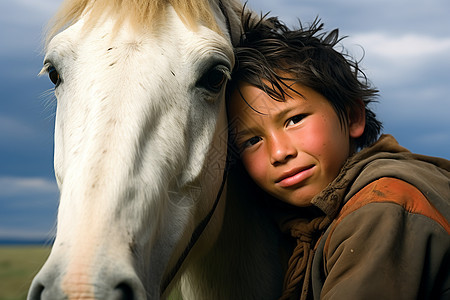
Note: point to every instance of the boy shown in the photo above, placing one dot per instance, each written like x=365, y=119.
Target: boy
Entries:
x=368, y=218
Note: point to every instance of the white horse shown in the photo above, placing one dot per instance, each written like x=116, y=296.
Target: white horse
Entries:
x=140, y=154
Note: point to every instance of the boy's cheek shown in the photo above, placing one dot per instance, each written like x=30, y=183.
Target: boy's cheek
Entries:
x=312, y=140
x=254, y=164
x=322, y=135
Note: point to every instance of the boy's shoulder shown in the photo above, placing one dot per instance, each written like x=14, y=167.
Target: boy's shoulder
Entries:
x=394, y=187
x=386, y=231
x=391, y=190
x=408, y=177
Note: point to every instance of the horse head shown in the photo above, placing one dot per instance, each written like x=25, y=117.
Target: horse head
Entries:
x=140, y=141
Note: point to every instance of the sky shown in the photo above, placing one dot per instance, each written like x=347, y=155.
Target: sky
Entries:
x=404, y=46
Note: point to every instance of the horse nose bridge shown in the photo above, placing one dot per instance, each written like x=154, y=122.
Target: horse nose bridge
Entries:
x=118, y=140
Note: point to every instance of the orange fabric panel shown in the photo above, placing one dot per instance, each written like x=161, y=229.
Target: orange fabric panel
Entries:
x=385, y=190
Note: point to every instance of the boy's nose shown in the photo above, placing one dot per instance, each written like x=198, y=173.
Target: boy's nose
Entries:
x=281, y=150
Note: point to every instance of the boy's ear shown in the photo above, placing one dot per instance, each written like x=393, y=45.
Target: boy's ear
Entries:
x=357, y=120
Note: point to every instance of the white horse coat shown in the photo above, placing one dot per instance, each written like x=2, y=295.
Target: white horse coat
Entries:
x=140, y=151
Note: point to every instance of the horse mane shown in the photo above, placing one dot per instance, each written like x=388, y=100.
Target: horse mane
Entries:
x=138, y=12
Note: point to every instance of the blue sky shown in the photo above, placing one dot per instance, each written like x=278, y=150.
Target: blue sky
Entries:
x=406, y=55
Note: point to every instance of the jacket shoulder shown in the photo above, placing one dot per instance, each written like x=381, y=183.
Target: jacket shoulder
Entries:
x=393, y=190
x=379, y=243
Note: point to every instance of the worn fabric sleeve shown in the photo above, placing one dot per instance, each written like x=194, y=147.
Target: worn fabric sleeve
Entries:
x=388, y=242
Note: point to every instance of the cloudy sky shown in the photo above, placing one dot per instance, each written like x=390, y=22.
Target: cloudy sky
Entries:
x=406, y=50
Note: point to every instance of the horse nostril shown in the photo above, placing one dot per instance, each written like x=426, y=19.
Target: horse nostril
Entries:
x=36, y=292
x=123, y=291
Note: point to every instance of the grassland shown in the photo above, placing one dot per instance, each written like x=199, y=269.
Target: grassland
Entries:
x=18, y=265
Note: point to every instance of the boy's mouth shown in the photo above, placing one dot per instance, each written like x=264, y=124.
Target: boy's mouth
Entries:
x=295, y=176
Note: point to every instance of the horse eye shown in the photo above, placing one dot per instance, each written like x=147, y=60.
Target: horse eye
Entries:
x=54, y=76
x=215, y=78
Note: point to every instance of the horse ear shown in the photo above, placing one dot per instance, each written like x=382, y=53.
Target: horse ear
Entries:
x=357, y=120
x=235, y=13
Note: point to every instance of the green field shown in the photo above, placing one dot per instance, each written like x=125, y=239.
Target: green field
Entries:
x=18, y=265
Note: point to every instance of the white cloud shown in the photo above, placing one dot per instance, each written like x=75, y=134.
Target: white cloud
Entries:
x=26, y=234
x=28, y=13
x=23, y=23
x=402, y=48
x=439, y=138
x=28, y=205
x=42, y=6
x=24, y=186
x=11, y=128
x=407, y=61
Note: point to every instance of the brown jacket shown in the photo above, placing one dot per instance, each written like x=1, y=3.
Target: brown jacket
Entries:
x=391, y=238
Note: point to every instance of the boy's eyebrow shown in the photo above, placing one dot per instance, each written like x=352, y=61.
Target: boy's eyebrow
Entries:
x=244, y=132
x=279, y=115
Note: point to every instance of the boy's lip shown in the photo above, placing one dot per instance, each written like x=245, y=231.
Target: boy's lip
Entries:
x=294, y=176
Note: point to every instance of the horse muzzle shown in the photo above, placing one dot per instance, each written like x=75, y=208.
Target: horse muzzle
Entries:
x=79, y=281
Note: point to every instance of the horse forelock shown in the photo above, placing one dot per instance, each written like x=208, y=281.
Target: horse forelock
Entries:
x=140, y=13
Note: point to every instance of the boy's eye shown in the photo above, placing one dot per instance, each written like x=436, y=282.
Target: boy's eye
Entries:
x=250, y=142
x=294, y=120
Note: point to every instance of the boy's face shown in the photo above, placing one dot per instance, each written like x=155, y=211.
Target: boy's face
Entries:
x=291, y=149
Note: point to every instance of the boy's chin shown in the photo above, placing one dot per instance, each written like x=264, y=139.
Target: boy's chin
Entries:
x=301, y=197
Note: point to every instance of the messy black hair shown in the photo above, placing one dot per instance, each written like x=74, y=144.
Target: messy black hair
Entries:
x=270, y=54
